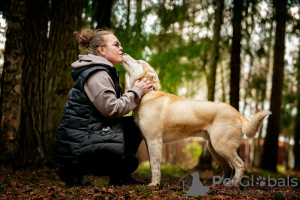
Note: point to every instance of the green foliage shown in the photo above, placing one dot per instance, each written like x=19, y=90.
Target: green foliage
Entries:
x=193, y=149
x=177, y=60
x=167, y=170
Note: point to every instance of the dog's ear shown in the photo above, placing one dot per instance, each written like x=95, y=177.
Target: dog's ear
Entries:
x=153, y=76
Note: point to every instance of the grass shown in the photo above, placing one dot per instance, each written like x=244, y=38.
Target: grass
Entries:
x=167, y=170
x=282, y=173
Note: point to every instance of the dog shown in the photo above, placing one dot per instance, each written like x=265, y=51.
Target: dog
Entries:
x=164, y=118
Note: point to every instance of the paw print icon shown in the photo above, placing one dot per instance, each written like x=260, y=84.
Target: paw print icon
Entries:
x=261, y=181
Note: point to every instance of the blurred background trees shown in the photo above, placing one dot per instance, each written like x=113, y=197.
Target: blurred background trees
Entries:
x=22, y=84
x=241, y=52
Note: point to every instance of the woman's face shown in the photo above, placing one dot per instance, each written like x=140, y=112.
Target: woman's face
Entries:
x=112, y=51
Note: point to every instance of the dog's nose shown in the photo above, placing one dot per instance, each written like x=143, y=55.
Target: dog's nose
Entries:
x=124, y=53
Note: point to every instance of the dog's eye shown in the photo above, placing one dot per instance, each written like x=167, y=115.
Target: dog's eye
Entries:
x=139, y=62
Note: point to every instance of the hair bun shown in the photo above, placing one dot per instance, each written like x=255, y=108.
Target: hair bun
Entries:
x=89, y=40
x=84, y=37
x=84, y=40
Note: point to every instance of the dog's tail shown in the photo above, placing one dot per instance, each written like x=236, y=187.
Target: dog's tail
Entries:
x=252, y=127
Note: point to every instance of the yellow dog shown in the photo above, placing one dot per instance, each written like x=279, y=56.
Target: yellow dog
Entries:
x=164, y=118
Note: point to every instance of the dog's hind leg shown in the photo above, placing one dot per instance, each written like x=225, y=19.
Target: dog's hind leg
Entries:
x=226, y=166
x=155, y=156
x=229, y=153
x=226, y=140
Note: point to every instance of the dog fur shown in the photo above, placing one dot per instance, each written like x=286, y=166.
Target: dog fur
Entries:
x=164, y=118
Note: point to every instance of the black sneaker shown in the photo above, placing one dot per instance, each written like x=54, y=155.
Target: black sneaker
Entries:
x=69, y=175
x=129, y=180
x=113, y=180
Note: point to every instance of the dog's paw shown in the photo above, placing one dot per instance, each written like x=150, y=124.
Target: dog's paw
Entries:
x=153, y=184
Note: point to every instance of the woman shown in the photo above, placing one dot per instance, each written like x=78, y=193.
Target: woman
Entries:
x=93, y=137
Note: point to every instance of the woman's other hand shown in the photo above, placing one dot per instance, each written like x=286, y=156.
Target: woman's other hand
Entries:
x=145, y=84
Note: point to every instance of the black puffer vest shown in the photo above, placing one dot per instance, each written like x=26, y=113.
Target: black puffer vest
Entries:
x=84, y=134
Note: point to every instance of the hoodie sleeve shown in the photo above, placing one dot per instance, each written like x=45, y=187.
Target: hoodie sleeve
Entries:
x=101, y=92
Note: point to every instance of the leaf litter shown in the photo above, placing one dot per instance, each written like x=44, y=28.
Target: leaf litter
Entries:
x=45, y=184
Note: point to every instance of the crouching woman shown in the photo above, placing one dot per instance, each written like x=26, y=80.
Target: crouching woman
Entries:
x=93, y=136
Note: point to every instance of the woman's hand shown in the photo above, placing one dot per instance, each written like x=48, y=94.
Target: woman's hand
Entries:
x=145, y=84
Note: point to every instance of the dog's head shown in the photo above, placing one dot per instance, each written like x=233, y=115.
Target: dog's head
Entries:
x=139, y=69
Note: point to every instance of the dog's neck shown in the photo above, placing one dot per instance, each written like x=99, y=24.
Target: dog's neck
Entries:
x=156, y=85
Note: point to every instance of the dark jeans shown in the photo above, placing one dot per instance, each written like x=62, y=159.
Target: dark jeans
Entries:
x=111, y=166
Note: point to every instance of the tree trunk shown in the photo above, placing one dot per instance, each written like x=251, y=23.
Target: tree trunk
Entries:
x=287, y=152
x=62, y=51
x=139, y=19
x=297, y=123
x=211, y=78
x=257, y=147
x=138, y=29
x=223, y=73
x=266, y=70
x=205, y=159
x=270, y=148
x=103, y=13
x=22, y=83
x=235, y=54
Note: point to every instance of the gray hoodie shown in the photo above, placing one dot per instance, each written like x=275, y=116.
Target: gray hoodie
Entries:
x=101, y=91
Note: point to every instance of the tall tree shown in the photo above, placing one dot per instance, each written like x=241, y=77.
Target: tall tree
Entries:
x=205, y=158
x=270, y=147
x=138, y=29
x=214, y=55
x=297, y=122
x=22, y=83
x=62, y=51
x=235, y=54
x=103, y=13
x=139, y=18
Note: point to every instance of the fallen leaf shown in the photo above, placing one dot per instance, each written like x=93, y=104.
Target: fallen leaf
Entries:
x=28, y=190
x=110, y=190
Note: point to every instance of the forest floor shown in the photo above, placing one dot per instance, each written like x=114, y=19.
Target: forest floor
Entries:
x=43, y=183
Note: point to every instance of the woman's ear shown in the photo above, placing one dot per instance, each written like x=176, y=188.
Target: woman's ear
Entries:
x=101, y=51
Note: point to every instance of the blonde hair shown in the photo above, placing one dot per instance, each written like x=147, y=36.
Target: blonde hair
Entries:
x=90, y=40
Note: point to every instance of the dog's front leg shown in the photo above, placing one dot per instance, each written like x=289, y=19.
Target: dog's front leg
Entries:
x=155, y=156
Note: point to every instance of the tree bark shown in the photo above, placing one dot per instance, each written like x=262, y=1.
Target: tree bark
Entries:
x=62, y=51
x=235, y=54
x=270, y=147
x=22, y=83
